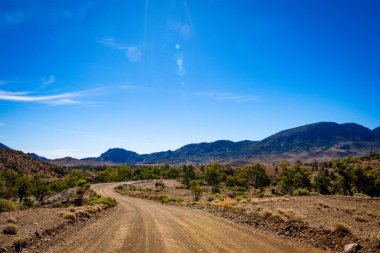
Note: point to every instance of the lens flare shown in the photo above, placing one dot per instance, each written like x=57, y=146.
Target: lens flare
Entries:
x=134, y=54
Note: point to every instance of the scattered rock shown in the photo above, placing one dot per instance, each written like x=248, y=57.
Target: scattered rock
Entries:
x=352, y=248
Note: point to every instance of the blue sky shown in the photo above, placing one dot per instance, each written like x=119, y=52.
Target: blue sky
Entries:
x=79, y=77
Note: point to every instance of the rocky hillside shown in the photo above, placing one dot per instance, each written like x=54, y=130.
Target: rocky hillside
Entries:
x=319, y=141
x=19, y=161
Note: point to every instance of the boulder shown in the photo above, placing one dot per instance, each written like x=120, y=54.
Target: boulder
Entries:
x=352, y=248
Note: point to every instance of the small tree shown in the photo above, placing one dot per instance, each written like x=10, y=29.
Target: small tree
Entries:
x=40, y=188
x=23, y=187
x=83, y=187
x=293, y=177
x=213, y=177
x=188, y=175
x=159, y=185
x=196, y=190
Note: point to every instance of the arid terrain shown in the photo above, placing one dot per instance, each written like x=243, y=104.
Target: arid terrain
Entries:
x=139, y=225
x=311, y=219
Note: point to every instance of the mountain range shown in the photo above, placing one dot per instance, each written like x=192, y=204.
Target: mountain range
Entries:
x=314, y=142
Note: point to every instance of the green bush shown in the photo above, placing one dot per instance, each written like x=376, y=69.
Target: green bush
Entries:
x=301, y=192
x=361, y=195
x=10, y=230
x=109, y=202
x=6, y=205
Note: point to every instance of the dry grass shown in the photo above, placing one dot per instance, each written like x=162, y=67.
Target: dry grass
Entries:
x=227, y=202
x=342, y=229
x=10, y=230
x=360, y=218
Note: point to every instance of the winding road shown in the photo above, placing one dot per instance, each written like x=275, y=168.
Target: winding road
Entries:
x=139, y=225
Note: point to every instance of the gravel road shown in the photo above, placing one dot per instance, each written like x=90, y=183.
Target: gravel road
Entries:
x=139, y=225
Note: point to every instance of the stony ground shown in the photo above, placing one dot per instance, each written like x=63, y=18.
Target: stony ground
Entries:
x=140, y=225
x=312, y=219
x=39, y=228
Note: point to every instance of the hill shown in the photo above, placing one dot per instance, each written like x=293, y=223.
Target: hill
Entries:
x=3, y=146
x=320, y=141
x=73, y=162
x=21, y=162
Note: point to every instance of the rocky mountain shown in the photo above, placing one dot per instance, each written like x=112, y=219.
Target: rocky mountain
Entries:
x=21, y=162
x=319, y=141
x=2, y=146
x=40, y=158
x=118, y=155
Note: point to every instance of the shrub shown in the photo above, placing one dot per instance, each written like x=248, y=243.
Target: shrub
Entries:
x=58, y=205
x=6, y=205
x=159, y=185
x=361, y=195
x=301, y=192
x=70, y=216
x=10, y=230
x=360, y=218
x=342, y=229
x=179, y=200
x=226, y=202
x=209, y=199
x=376, y=238
x=20, y=243
x=315, y=194
x=107, y=201
x=239, y=198
x=196, y=190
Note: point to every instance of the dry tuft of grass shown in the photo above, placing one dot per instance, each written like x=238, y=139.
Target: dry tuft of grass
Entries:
x=376, y=238
x=322, y=204
x=227, y=202
x=10, y=230
x=360, y=218
x=342, y=229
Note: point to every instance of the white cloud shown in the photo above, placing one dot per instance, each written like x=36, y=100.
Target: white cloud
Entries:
x=56, y=99
x=48, y=80
x=225, y=96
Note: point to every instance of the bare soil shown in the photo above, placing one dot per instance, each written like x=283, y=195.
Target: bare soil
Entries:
x=140, y=225
x=39, y=228
x=310, y=219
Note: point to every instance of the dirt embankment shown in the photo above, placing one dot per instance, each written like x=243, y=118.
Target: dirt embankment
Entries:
x=38, y=229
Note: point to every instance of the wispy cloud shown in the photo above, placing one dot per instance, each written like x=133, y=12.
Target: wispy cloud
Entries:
x=55, y=99
x=132, y=52
x=3, y=82
x=48, y=80
x=226, y=96
x=112, y=43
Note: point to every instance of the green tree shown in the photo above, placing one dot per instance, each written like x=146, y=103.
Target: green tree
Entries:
x=293, y=177
x=256, y=176
x=23, y=187
x=214, y=177
x=188, y=174
x=40, y=187
x=196, y=190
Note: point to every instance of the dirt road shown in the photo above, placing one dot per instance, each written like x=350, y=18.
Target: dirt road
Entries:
x=139, y=225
